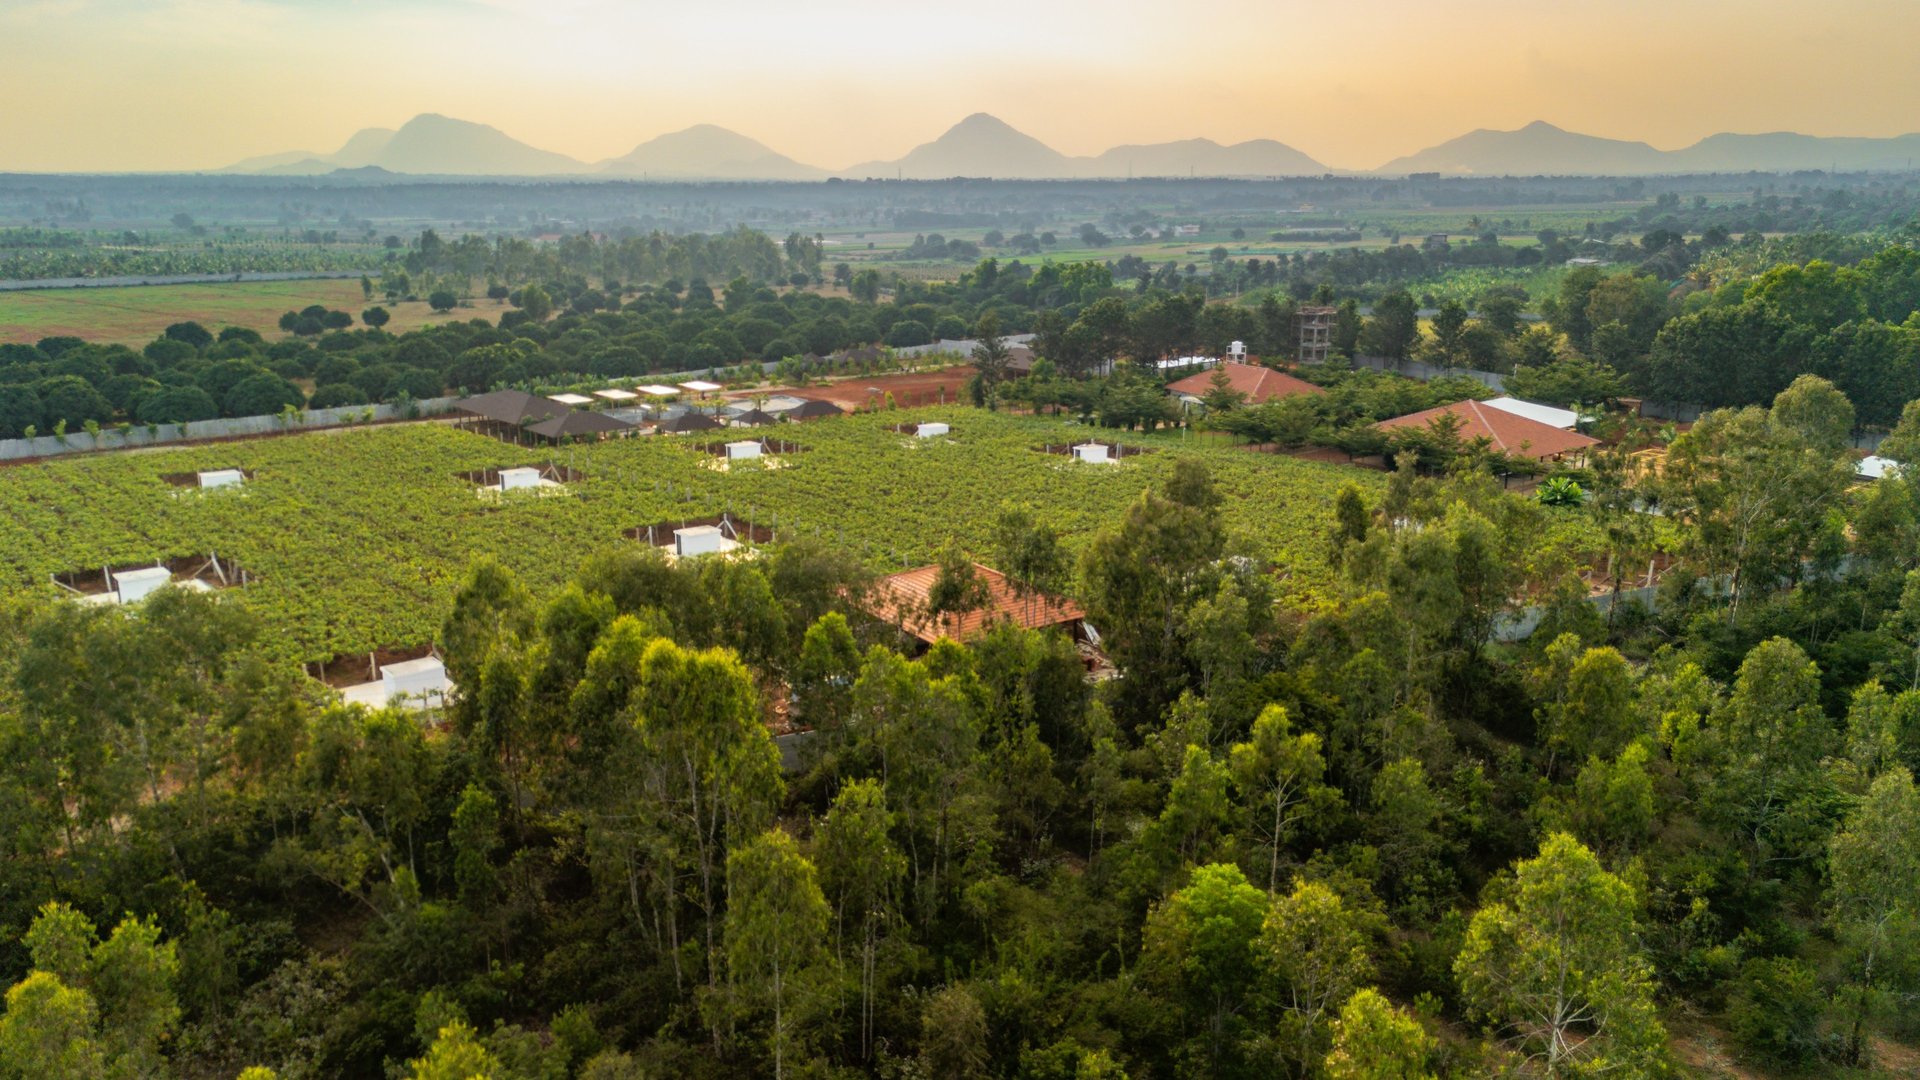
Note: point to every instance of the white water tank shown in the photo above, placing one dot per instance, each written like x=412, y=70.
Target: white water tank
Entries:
x=1237, y=351
x=136, y=585
x=744, y=449
x=514, y=479
x=928, y=431
x=698, y=540
x=219, y=478
x=1093, y=451
x=424, y=677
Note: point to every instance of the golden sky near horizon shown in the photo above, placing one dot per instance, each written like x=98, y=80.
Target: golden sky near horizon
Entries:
x=195, y=84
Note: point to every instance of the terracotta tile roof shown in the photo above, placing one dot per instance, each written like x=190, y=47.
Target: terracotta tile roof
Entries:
x=1510, y=434
x=901, y=599
x=1260, y=384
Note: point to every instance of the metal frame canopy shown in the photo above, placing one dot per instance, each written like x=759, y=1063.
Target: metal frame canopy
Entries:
x=616, y=395
x=656, y=390
x=572, y=399
x=701, y=386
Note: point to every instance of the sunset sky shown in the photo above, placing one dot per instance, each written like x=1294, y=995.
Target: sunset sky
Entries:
x=191, y=84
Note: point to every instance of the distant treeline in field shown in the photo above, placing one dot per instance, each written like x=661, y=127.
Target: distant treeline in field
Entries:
x=1734, y=326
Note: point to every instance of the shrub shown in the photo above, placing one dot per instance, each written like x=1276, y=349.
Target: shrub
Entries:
x=262, y=395
x=909, y=332
x=176, y=405
x=337, y=395
x=1775, y=1012
x=20, y=409
x=68, y=398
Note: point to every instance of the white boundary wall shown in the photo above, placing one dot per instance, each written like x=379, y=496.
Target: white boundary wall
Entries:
x=111, y=438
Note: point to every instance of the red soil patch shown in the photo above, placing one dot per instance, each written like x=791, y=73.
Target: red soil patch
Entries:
x=909, y=391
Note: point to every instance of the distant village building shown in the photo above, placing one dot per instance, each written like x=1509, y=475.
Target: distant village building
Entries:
x=1186, y=230
x=1316, y=333
x=1507, y=432
x=1258, y=384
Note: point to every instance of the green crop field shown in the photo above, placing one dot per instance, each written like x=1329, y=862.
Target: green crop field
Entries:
x=359, y=538
x=136, y=314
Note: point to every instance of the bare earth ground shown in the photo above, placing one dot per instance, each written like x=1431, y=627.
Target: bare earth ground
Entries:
x=136, y=314
x=919, y=388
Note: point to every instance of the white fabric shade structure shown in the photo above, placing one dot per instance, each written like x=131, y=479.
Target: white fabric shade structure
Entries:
x=701, y=386
x=1564, y=419
x=572, y=399
x=616, y=395
x=1873, y=466
x=656, y=390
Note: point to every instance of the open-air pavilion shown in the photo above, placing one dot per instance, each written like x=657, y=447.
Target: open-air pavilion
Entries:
x=576, y=426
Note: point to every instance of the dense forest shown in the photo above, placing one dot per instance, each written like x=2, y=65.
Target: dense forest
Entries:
x=1371, y=837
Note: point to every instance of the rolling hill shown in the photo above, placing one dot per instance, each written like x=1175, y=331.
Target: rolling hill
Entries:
x=1786, y=151
x=427, y=144
x=1204, y=157
x=983, y=145
x=440, y=145
x=980, y=145
x=1539, y=149
x=706, y=152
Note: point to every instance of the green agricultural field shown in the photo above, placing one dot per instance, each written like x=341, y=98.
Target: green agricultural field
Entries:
x=136, y=314
x=360, y=537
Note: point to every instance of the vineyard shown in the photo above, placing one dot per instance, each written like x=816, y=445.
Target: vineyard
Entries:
x=358, y=539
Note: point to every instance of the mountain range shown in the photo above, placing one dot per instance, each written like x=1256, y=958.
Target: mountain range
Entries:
x=1541, y=149
x=984, y=146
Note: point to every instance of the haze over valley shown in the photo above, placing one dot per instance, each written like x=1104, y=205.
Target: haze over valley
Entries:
x=985, y=146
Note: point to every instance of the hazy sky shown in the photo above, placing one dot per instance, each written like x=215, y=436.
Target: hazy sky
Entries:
x=187, y=84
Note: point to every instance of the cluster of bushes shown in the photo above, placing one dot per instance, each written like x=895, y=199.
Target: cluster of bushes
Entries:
x=186, y=374
x=313, y=320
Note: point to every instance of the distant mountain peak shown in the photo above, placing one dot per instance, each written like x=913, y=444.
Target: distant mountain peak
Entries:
x=708, y=152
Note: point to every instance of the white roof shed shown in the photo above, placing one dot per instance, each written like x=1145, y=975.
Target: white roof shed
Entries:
x=422, y=678
x=219, y=478
x=1564, y=419
x=515, y=479
x=699, y=540
x=136, y=585
x=1873, y=467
